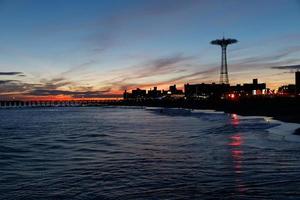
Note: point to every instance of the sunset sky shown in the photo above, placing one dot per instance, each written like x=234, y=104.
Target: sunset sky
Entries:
x=99, y=48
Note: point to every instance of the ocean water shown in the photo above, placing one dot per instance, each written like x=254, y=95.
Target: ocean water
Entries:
x=138, y=153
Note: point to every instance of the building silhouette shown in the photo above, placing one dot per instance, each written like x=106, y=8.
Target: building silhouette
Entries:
x=222, y=90
x=204, y=90
x=297, y=82
x=135, y=94
x=287, y=89
x=174, y=90
x=253, y=88
x=213, y=90
x=126, y=95
x=155, y=93
x=291, y=89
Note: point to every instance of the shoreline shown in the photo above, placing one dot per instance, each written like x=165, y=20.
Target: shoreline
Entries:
x=294, y=131
x=292, y=118
x=293, y=128
x=282, y=109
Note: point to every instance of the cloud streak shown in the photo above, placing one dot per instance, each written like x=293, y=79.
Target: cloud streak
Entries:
x=287, y=67
x=6, y=81
x=105, y=31
x=271, y=58
x=11, y=73
x=160, y=66
x=51, y=88
x=74, y=94
x=189, y=78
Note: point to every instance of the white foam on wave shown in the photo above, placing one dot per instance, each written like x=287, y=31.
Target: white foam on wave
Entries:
x=207, y=111
x=280, y=130
x=222, y=112
x=284, y=131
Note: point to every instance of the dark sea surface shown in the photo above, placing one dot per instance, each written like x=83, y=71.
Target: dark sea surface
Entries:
x=134, y=153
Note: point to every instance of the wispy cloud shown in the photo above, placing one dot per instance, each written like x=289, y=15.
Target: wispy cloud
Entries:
x=51, y=88
x=74, y=94
x=11, y=73
x=8, y=87
x=78, y=68
x=6, y=81
x=181, y=79
x=105, y=32
x=159, y=66
x=281, y=57
x=54, y=83
x=287, y=67
x=263, y=42
x=282, y=53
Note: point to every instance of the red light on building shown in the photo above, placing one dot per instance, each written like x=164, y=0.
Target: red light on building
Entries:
x=231, y=96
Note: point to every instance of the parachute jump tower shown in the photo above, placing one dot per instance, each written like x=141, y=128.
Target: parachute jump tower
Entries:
x=224, y=71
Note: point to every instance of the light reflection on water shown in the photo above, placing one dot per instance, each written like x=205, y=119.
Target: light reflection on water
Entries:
x=121, y=153
x=236, y=142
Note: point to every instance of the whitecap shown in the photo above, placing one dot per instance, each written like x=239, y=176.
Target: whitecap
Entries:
x=284, y=131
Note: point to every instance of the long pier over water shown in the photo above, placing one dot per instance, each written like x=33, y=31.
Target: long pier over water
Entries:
x=65, y=103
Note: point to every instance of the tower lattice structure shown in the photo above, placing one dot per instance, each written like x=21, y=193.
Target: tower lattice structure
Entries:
x=224, y=79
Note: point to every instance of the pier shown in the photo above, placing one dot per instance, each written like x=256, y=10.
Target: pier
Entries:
x=64, y=103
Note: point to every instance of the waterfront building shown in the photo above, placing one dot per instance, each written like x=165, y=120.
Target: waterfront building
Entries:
x=174, y=90
x=287, y=89
x=204, y=90
x=155, y=93
x=135, y=94
x=126, y=95
x=297, y=82
x=253, y=88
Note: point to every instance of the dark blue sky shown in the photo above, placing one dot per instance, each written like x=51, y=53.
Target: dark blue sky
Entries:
x=102, y=47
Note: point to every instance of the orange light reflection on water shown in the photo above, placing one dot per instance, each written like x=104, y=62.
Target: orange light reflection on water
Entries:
x=235, y=121
x=236, y=145
x=236, y=141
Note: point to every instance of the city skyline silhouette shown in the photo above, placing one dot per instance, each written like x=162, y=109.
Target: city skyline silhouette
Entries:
x=97, y=49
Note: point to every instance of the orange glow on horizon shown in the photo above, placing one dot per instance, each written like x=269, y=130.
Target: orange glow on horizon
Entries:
x=60, y=98
x=117, y=92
